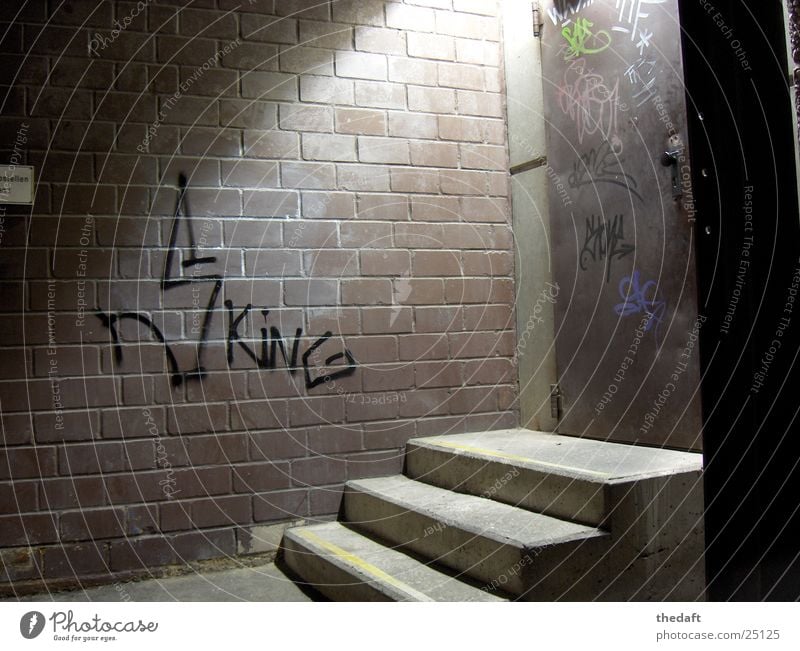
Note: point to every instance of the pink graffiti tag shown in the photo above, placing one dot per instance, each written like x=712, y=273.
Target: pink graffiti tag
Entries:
x=589, y=101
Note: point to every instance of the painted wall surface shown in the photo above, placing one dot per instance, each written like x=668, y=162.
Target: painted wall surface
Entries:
x=270, y=243
x=536, y=292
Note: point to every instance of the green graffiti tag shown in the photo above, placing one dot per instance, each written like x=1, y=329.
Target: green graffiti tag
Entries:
x=580, y=37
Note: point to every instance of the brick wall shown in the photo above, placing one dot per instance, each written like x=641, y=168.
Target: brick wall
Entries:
x=270, y=243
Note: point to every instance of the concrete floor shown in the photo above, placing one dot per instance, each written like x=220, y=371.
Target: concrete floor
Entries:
x=260, y=583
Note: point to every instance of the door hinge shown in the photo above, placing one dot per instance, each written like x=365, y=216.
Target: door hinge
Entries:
x=537, y=20
x=555, y=401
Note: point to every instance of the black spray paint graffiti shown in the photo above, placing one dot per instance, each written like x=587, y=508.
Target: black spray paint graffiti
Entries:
x=602, y=165
x=271, y=338
x=602, y=242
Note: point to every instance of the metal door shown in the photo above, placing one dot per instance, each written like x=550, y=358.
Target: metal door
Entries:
x=622, y=221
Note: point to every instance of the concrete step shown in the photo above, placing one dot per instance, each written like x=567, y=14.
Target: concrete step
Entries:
x=500, y=546
x=561, y=476
x=347, y=566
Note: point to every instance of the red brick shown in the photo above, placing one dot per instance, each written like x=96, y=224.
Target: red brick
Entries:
x=18, y=497
x=378, y=94
x=388, y=377
x=429, y=46
x=370, y=235
x=412, y=71
x=199, y=141
x=477, y=103
x=372, y=406
x=359, y=12
x=387, y=320
x=306, y=117
x=75, y=492
x=74, y=561
x=328, y=205
x=267, y=29
x=340, y=320
x=374, y=464
x=335, y=36
x=308, y=176
x=32, y=529
x=479, y=290
x=280, y=505
x=22, y=463
x=188, y=419
x=437, y=263
x=385, y=263
x=270, y=203
x=327, y=90
x=360, y=65
x=334, y=440
x=257, y=477
x=67, y=426
x=318, y=471
x=222, y=511
x=481, y=344
x=315, y=411
x=202, y=545
x=363, y=178
x=92, y=524
x=78, y=73
x=407, y=17
x=489, y=371
x=423, y=346
x=467, y=26
x=248, y=114
x=141, y=553
x=488, y=317
x=391, y=434
x=483, y=209
x=366, y=292
x=424, y=403
x=361, y=121
x=271, y=144
x=196, y=22
x=327, y=147
x=190, y=111
x=252, y=56
x=435, y=208
x=184, y=50
x=325, y=501
x=383, y=150
x=331, y=263
x=414, y=180
x=279, y=444
x=244, y=173
x=438, y=374
x=477, y=236
x=257, y=415
x=380, y=41
x=419, y=236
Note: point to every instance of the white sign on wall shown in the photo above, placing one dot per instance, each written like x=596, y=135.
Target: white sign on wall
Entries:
x=16, y=184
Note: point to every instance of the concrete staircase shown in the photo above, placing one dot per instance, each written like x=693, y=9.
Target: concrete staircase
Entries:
x=514, y=514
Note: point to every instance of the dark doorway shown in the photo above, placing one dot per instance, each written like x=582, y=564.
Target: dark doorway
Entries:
x=743, y=152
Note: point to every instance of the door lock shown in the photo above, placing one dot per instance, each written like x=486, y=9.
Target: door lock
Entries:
x=670, y=159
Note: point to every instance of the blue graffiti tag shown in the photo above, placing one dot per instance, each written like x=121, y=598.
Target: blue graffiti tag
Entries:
x=636, y=301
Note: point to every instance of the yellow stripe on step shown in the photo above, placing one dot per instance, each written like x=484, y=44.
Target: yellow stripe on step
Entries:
x=514, y=457
x=363, y=565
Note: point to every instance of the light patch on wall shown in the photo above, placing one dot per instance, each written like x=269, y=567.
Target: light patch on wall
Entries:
x=16, y=185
